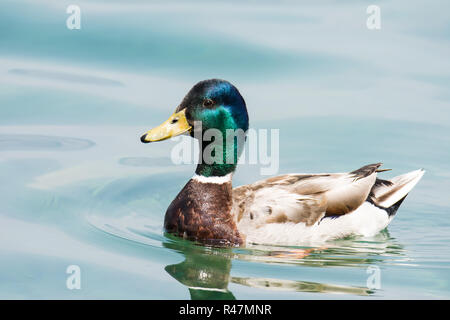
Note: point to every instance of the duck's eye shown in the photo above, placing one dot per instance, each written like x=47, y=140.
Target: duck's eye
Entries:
x=175, y=120
x=208, y=103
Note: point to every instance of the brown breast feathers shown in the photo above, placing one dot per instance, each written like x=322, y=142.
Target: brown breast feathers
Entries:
x=202, y=212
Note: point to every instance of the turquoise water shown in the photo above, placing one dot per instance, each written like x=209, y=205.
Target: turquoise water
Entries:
x=78, y=188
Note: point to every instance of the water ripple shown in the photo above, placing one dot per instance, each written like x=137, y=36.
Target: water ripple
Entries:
x=31, y=142
x=68, y=77
x=145, y=161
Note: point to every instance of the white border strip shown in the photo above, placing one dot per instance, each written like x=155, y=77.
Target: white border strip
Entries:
x=217, y=180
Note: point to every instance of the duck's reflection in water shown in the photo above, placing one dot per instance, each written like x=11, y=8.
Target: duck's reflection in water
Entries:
x=206, y=271
x=300, y=286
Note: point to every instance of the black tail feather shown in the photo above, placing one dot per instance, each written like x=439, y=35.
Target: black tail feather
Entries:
x=392, y=210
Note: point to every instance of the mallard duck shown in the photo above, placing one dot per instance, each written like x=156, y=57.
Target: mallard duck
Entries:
x=287, y=209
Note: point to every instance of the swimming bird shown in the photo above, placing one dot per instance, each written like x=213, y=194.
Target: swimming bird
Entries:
x=288, y=209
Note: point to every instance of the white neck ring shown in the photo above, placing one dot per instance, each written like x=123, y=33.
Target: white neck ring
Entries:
x=217, y=180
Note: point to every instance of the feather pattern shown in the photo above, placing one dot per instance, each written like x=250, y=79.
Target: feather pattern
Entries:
x=303, y=197
x=313, y=207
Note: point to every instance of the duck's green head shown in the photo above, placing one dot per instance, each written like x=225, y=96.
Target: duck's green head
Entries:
x=210, y=104
x=216, y=104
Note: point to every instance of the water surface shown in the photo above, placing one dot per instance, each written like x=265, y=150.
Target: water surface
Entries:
x=78, y=188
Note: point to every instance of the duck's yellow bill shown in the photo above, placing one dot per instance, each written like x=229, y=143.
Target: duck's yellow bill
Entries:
x=177, y=124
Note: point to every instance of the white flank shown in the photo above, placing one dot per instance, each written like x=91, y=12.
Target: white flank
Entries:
x=367, y=220
x=217, y=180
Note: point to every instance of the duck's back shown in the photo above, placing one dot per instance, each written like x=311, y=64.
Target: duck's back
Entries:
x=297, y=207
x=304, y=197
